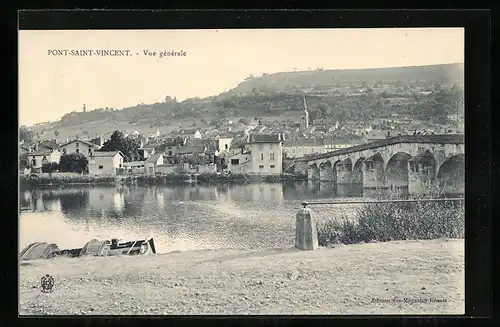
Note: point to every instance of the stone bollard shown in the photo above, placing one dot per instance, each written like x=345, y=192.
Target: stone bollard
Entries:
x=306, y=235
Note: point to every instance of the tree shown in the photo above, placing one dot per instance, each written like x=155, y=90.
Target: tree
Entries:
x=50, y=167
x=73, y=162
x=128, y=147
x=25, y=134
x=23, y=161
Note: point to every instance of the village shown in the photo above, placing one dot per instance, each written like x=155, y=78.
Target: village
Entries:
x=246, y=146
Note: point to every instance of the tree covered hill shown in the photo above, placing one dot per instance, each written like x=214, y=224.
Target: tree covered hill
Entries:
x=428, y=93
x=448, y=73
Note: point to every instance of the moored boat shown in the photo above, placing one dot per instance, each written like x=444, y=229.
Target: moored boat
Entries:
x=41, y=250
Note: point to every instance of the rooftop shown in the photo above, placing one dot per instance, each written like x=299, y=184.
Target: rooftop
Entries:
x=266, y=138
x=109, y=154
x=154, y=158
x=81, y=141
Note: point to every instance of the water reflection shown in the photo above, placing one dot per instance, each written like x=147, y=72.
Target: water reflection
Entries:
x=179, y=217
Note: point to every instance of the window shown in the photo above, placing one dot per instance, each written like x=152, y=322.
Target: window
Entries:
x=235, y=161
x=100, y=167
x=65, y=150
x=77, y=145
x=225, y=145
x=261, y=166
x=272, y=166
x=262, y=156
x=306, y=150
x=271, y=156
x=90, y=151
x=293, y=150
x=77, y=150
x=312, y=150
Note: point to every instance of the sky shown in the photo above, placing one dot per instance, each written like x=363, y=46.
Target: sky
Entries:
x=215, y=61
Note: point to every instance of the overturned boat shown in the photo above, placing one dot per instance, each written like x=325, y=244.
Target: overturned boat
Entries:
x=41, y=250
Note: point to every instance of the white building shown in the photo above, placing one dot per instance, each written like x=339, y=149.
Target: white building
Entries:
x=224, y=143
x=191, y=133
x=299, y=148
x=134, y=167
x=79, y=146
x=39, y=158
x=152, y=162
x=337, y=143
x=239, y=162
x=105, y=163
x=266, y=153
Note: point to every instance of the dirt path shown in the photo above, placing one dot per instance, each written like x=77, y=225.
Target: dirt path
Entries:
x=417, y=277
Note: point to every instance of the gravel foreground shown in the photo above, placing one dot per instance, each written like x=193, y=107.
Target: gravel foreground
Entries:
x=404, y=277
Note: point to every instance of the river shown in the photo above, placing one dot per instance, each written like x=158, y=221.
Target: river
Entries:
x=179, y=218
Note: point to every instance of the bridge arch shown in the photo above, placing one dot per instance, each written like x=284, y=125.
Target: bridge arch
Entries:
x=373, y=172
x=326, y=171
x=342, y=170
x=357, y=172
x=451, y=174
x=313, y=172
x=396, y=170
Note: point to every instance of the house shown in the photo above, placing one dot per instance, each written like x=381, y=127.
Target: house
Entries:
x=79, y=146
x=266, y=153
x=301, y=147
x=152, y=162
x=134, y=167
x=224, y=142
x=239, y=162
x=47, y=145
x=105, y=163
x=191, y=133
x=170, y=144
x=374, y=136
x=335, y=143
x=320, y=131
x=99, y=141
x=39, y=158
x=190, y=150
x=146, y=152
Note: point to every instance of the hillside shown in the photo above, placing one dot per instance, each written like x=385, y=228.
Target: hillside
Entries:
x=427, y=93
x=450, y=73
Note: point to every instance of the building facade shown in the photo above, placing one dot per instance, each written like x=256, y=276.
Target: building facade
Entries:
x=152, y=162
x=105, y=163
x=266, y=153
x=79, y=146
x=240, y=162
x=39, y=158
x=299, y=148
x=224, y=143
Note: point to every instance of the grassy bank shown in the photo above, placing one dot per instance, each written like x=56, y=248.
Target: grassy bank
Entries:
x=397, y=221
x=406, y=277
x=164, y=179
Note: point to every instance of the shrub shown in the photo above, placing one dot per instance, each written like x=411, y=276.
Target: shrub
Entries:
x=397, y=221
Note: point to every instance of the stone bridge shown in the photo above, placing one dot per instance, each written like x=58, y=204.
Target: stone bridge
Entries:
x=411, y=162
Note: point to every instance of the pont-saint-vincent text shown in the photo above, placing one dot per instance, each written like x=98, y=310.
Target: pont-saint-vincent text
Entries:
x=89, y=52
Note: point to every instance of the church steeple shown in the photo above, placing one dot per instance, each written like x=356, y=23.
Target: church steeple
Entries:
x=84, y=109
x=306, y=113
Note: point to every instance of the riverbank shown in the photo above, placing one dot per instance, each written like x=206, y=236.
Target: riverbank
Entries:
x=41, y=181
x=403, y=277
